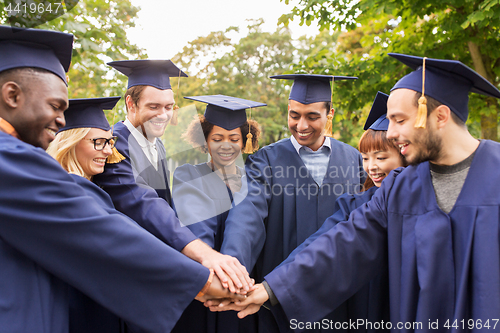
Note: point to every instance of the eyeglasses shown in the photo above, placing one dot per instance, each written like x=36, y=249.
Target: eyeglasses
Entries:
x=100, y=143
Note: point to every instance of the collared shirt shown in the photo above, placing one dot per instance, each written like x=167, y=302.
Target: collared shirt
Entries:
x=315, y=161
x=6, y=127
x=148, y=147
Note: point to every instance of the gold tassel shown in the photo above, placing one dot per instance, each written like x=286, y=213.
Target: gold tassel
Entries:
x=329, y=125
x=422, y=103
x=174, y=121
x=249, y=145
x=422, y=113
x=115, y=157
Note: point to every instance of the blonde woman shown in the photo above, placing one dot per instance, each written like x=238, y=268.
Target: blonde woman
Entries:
x=86, y=142
x=82, y=148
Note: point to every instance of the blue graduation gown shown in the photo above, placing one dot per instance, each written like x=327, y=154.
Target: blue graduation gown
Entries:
x=371, y=302
x=285, y=206
x=85, y=315
x=442, y=267
x=52, y=233
x=141, y=192
x=203, y=202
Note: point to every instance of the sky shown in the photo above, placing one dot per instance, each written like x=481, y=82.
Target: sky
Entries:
x=164, y=27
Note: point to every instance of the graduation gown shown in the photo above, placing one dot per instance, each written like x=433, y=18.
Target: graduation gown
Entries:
x=284, y=206
x=85, y=315
x=371, y=302
x=203, y=202
x=444, y=269
x=142, y=192
x=52, y=233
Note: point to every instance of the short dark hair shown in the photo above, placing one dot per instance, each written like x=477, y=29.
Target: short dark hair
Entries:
x=328, y=106
x=135, y=94
x=199, y=139
x=14, y=74
x=433, y=104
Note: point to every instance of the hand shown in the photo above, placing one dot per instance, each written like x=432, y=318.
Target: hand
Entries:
x=248, y=306
x=217, y=291
x=231, y=273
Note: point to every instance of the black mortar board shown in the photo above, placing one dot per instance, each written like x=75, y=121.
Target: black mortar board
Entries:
x=377, y=119
x=226, y=111
x=89, y=112
x=155, y=73
x=311, y=88
x=35, y=48
x=447, y=81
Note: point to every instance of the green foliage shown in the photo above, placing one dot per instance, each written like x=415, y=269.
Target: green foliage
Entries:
x=463, y=30
x=242, y=69
x=99, y=27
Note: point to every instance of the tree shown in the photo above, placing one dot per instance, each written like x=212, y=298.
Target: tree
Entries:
x=242, y=70
x=99, y=27
x=459, y=29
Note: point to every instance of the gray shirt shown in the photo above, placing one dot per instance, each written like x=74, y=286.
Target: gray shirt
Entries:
x=448, y=181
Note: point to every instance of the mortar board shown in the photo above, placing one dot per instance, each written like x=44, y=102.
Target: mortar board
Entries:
x=226, y=111
x=89, y=112
x=35, y=48
x=155, y=73
x=377, y=119
x=311, y=88
x=447, y=81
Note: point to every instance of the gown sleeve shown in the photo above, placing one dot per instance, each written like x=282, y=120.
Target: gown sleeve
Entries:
x=245, y=233
x=344, y=205
x=48, y=218
x=348, y=256
x=133, y=196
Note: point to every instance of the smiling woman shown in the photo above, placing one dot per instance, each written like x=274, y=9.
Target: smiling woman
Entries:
x=85, y=143
x=82, y=148
x=204, y=193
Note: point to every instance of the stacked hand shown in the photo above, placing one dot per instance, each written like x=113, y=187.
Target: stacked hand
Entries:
x=245, y=306
x=230, y=272
x=217, y=291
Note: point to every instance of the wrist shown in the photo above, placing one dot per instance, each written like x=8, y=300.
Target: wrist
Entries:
x=207, y=285
x=194, y=250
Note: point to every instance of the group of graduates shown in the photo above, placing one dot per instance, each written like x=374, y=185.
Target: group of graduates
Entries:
x=402, y=234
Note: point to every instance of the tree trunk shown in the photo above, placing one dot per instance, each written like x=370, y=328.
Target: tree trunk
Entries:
x=489, y=122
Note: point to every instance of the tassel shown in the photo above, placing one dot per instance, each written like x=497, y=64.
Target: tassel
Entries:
x=174, y=121
x=422, y=113
x=249, y=145
x=329, y=125
x=115, y=157
x=422, y=103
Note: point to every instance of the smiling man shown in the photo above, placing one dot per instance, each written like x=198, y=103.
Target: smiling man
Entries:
x=293, y=185
x=437, y=221
x=52, y=232
x=138, y=184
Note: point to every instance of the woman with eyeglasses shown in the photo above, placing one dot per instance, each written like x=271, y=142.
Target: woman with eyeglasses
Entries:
x=86, y=142
x=82, y=148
